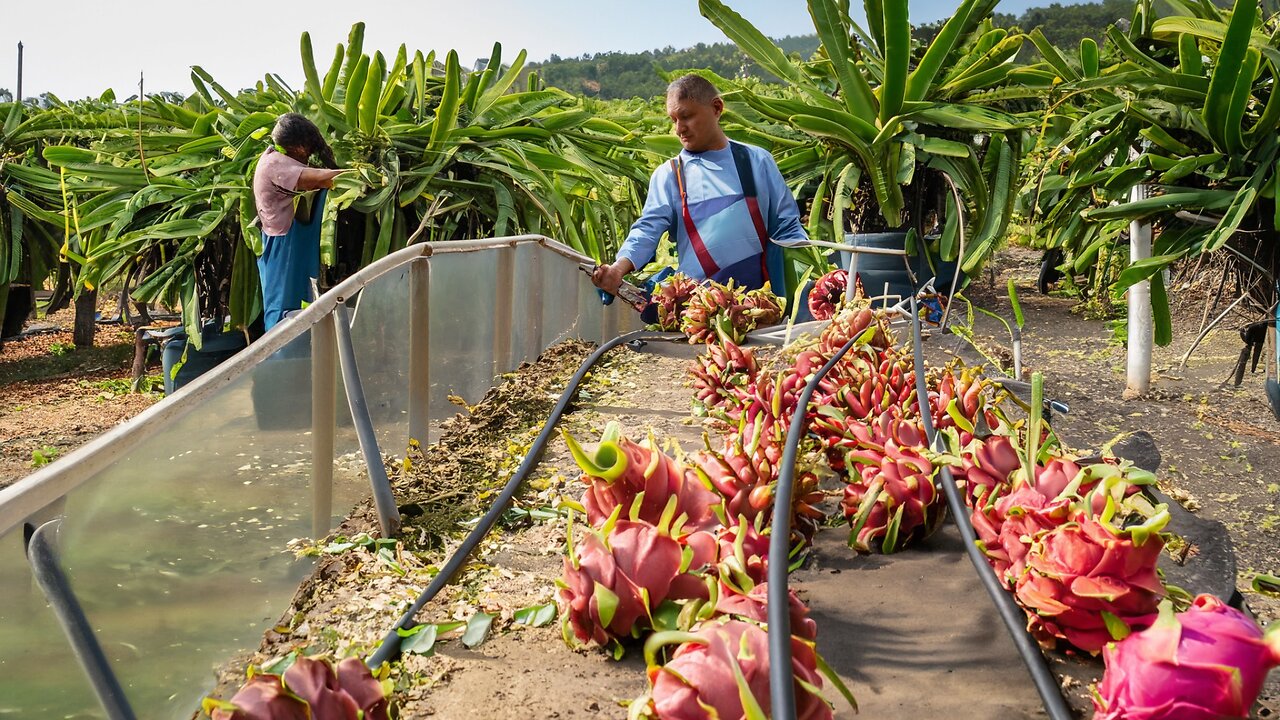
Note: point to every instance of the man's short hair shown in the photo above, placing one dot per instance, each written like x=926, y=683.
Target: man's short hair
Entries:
x=692, y=87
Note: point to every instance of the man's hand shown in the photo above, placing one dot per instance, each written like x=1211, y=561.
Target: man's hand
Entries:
x=609, y=277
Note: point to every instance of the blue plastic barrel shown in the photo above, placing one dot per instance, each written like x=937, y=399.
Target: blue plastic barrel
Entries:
x=217, y=347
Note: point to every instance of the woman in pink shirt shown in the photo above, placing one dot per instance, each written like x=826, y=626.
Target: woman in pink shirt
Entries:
x=290, y=257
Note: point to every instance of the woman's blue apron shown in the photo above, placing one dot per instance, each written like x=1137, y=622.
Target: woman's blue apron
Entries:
x=289, y=263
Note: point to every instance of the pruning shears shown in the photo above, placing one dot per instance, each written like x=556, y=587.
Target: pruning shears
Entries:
x=630, y=294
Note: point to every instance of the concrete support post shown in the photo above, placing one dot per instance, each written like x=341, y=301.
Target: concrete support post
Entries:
x=419, y=351
x=1141, y=330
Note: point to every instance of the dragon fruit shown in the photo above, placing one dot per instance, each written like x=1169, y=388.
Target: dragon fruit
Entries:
x=722, y=377
x=722, y=671
x=620, y=471
x=746, y=476
x=1206, y=663
x=827, y=294
x=726, y=312
x=310, y=689
x=1089, y=581
x=894, y=501
x=671, y=298
x=754, y=605
x=617, y=576
x=854, y=321
x=986, y=467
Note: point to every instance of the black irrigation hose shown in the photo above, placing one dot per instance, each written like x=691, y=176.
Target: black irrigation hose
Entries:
x=1013, y=617
x=390, y=647
x=781, y=679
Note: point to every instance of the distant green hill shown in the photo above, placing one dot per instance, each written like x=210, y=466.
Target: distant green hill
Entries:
x=615, y=75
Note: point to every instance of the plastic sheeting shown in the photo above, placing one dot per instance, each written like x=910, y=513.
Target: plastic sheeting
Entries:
x=178, y=552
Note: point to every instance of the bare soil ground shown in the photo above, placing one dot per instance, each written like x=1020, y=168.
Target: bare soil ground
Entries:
x=54, y=397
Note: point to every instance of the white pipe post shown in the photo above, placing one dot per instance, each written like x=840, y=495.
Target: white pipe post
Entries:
x=1141, y=330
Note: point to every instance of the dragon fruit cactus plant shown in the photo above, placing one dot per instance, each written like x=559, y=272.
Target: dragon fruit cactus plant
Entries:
x=617, y=577
x=621, y=472
x=722, y=671
x=672, y=297
x=310, y=688
x=722, y=379
x=1207, y=663
x=1091, y=580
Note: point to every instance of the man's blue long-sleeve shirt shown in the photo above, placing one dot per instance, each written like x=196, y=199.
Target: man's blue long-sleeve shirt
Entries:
x=719, y=211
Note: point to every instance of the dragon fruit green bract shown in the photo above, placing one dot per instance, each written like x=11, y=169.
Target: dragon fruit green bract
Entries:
x=620, y=470
x=1206, y=663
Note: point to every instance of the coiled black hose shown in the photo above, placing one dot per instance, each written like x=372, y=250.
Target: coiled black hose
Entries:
x=390, y=647
x=1013, y=616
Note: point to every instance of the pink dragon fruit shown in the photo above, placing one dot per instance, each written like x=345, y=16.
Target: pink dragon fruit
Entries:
x=310, y=689
x=722, y=377
x=827, y=294
x=1206, y=663
x=894, y=501
x=620, y=470
x=1089, y=581
x=986, y=467
x=722, y=671
x=617, y=576
x=754, y=606
x=671, y=298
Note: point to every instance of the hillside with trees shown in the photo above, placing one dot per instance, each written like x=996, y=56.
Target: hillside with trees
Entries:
x=620, y=75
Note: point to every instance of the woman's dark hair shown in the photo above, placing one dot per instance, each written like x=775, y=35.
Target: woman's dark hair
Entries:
x=294, y=130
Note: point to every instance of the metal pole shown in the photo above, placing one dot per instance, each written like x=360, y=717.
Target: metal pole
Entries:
x=419, y=351
x=18, y=97
x=504, y=299
x=1140, y=323
x=62, y=599
x=383, y=499
x=324, y=407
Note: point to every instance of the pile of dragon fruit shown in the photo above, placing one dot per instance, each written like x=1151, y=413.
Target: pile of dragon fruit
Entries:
x=713, y=312
x=676, y=548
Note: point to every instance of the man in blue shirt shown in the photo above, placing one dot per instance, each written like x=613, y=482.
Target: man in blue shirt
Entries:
x=724, y=202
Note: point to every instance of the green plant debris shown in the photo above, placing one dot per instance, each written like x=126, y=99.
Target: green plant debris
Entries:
x=43, y=455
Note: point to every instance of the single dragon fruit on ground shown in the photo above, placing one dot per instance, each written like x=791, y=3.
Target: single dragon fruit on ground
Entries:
x=893, y=502
x=1207, y=663
x=722, y=379
x=619, y=471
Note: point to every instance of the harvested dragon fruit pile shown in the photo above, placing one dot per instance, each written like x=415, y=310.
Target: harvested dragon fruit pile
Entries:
x=673, y=554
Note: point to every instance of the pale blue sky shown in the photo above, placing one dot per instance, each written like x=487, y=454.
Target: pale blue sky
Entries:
x=78, y=48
